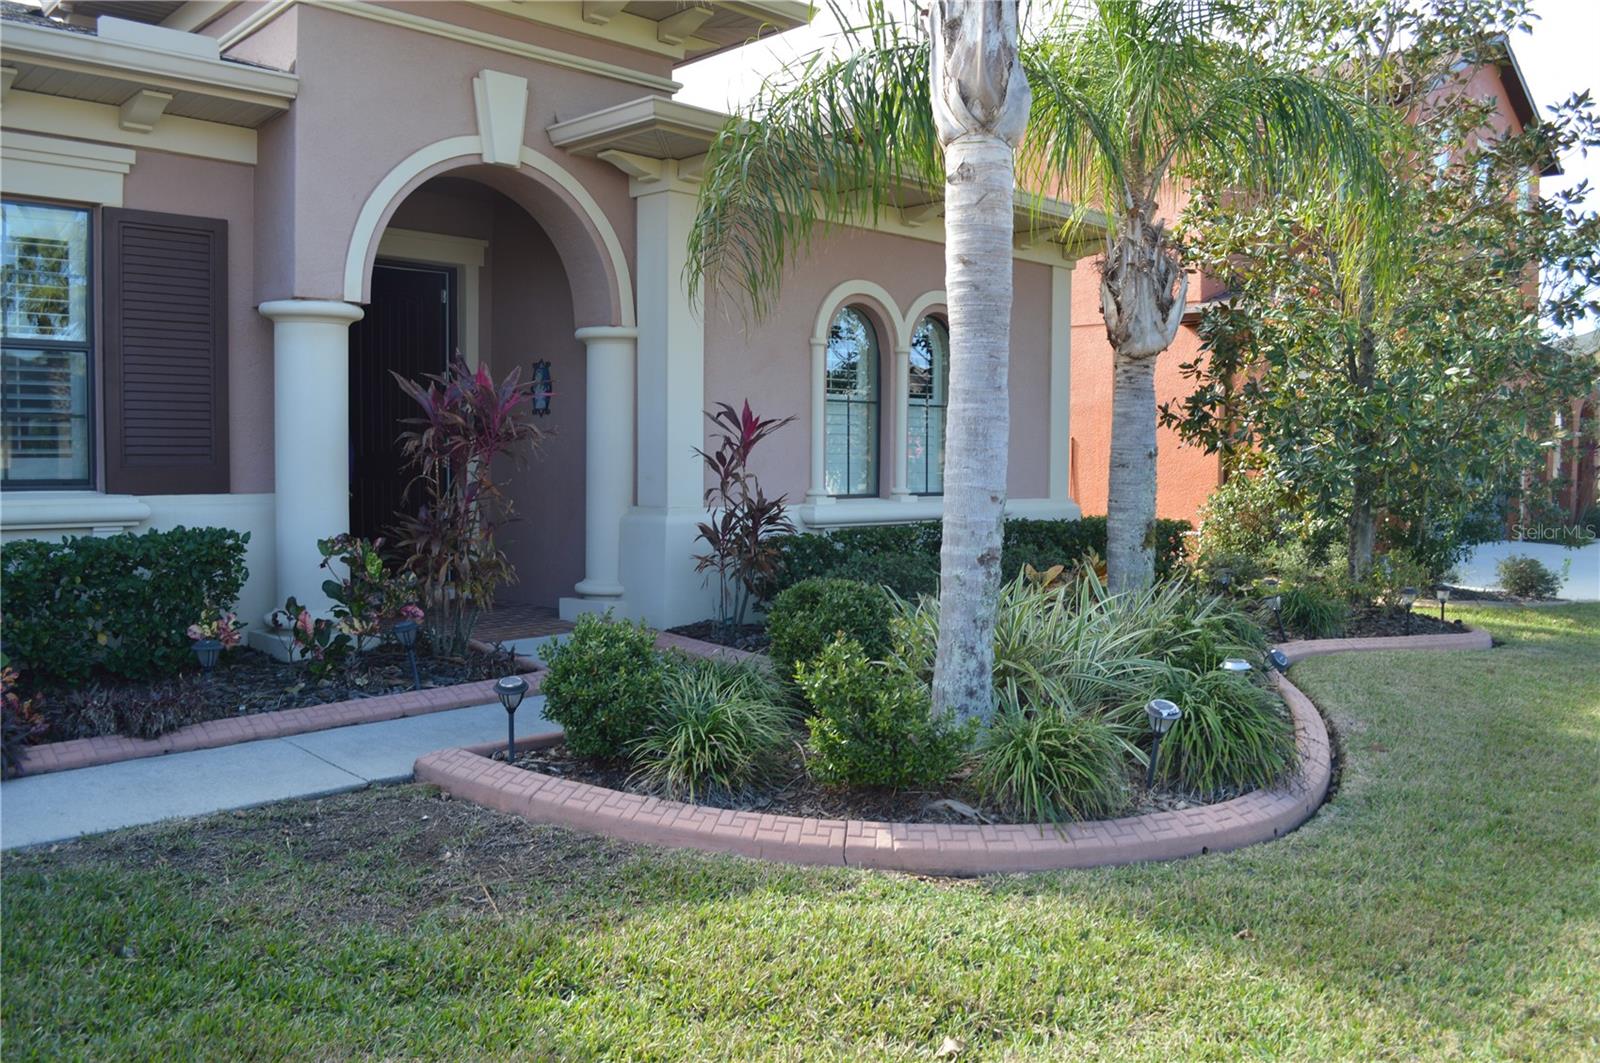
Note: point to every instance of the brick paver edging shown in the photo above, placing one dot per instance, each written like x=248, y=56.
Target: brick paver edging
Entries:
x=938, y=849
x=109, y=749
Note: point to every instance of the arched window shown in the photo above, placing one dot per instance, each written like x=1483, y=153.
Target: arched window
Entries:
x=851, y=416
x=927, y=401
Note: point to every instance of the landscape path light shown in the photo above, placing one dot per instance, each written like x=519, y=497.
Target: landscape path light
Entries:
x=1279, y=659
x=1162, y=715
x=1236, y=666
x=511, y=690
x=1408, y=598
x=1275, y=603
x=1443, y=594
x=405, y=633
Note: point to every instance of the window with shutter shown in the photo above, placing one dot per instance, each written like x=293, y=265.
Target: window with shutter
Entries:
x=165, y=352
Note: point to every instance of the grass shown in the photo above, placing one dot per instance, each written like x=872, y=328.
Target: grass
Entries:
x=1445, y=904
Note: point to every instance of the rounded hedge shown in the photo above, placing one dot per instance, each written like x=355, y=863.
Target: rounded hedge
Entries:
x=807, y=617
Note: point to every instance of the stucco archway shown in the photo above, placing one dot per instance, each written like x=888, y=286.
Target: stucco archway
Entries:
x=602, y=284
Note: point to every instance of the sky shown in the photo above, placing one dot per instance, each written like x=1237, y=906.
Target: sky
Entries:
x=1559, y=57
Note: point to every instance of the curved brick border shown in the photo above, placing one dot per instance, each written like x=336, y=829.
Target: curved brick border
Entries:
x=940, y=849
x=109, y=749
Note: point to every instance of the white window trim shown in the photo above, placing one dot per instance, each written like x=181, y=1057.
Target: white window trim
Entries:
x=56, y=169
x=437, y=249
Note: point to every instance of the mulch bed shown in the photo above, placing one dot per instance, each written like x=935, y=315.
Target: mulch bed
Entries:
x=247, y=682
x=1374, y=622
x=752, y=638
x=791, y=792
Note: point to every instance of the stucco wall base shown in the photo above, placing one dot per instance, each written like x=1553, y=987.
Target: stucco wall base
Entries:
x=658, y=548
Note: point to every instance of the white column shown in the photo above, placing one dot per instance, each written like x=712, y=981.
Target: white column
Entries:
x=311, y=438
x=1060, y=462
x=817, y=493
x=901, y=422
x=608, y=457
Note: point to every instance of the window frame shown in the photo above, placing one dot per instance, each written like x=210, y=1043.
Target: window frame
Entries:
x=941, y=386
x=86, y=345
x=875, y=404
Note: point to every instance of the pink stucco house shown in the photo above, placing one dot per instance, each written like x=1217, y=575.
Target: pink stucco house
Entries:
x=226, y=222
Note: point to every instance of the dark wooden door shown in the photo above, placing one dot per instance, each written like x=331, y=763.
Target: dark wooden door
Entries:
x=409, y=328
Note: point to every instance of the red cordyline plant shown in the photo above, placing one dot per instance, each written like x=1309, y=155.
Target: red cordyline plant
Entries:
x=467, y=423
x=743, y=519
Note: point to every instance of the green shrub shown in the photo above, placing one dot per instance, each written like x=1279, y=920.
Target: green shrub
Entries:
x=1052, y=765
x=808, y=616
x=905, y=557
x=1233, y=734
x=1393, y=572
x=604, y=687
x=1526, y=577
x=718, y=728
x=1254, y=512
x=1313, y=612
x=873, y=725
x=119, y=605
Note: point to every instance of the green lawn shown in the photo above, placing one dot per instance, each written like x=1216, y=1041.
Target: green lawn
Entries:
x=1446, y=903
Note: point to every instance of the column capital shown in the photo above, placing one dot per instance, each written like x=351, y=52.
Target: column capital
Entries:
x=318, y=310
x=606, y=332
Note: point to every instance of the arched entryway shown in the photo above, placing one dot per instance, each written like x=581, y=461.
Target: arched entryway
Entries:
x=461, y=267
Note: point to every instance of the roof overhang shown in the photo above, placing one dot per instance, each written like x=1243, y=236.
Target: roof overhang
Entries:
x=1520, y=97
x=103, y=69
x=682, y=30
x=654, y=129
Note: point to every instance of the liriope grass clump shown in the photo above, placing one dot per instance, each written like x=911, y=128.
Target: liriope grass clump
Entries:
x=1234, y=734
x=1049, y=765
x=719, y=727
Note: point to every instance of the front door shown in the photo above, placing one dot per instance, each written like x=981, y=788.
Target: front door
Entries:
x=409, y=328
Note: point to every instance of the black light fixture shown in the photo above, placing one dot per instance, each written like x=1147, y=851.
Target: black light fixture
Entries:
x=1408, y=598
x=1275, y=603
x=1236, y=666
x=1279, y=659
x=1224, y=580
x=1162, y=715
x=1443, y=594
x=405, y=633
x=511, y=690
x=541, y=387
x=207, y=651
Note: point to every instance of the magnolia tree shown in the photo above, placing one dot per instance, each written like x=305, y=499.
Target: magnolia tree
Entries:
x=1403, y=403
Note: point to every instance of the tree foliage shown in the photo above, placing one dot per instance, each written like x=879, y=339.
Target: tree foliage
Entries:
x=1402, y=405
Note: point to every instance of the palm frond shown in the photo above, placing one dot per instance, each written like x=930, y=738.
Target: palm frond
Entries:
x=827, y=142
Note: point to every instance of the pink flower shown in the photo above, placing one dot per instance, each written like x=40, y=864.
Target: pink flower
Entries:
x=412, y=612
x=303, y=621
x=195, y=633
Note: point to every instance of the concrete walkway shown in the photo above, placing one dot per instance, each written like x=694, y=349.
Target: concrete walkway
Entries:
x=48, y=808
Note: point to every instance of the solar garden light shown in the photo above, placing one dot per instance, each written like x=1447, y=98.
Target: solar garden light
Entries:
x=1162, y=714
x=1224, y=579
x=1408, y=598
x=511, y=690
x=1275, y=603
x=1443, y=594
x=1236, y=666
x=207, y=651
x=405, y=633
x=1279, y=659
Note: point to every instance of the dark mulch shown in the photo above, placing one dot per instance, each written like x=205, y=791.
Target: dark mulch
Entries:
x=247, y=682
x=1372, y=622
x=791, y=792
x=749, y=637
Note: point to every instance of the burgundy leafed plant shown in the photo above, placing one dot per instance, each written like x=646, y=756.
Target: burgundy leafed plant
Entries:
x=467, y=424
x=743, y=519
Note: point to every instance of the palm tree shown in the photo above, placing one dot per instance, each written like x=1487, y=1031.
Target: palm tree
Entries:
x=1120, y=96
x=1127, y=95
x=834, y=144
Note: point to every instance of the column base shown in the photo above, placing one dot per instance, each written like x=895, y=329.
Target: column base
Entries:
x=658, y=548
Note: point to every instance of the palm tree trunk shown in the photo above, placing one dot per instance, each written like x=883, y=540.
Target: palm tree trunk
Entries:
x=1143, y=289
x=1131, y=498
x=1362, y=528
x=980, y=102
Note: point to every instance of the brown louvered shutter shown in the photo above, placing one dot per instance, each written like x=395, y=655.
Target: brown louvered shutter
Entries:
x=165, y=280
